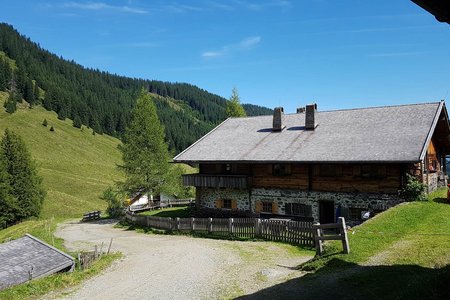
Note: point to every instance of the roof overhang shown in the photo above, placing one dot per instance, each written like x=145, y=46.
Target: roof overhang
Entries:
x=298, y=162
x=439, y=8
x=441, y=115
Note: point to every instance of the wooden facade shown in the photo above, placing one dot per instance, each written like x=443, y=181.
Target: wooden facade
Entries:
x=366, y=178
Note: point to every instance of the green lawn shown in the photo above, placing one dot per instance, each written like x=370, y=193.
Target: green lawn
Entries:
x=403, y=253
x=76, y=166
x=170, y=212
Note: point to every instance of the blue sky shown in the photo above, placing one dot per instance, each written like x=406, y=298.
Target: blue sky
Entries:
x=339, y=54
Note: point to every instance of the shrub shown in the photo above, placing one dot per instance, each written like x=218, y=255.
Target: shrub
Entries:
x=45, y=123
x=52, y=128
x=114, y=199
x=414, y=189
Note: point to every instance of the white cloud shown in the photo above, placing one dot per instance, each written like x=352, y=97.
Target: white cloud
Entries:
x=243, y=45
x=212, y=54
x=181, y=8
x=250, y=42
x=101, y=6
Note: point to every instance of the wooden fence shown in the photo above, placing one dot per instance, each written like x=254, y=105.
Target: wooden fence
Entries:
x=295, y=232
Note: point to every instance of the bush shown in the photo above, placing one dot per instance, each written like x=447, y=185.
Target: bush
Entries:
x=52, y=128
x=45, y=123
x=115, y=203
x=414, y=189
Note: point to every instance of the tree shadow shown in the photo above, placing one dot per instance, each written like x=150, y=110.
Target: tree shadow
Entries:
x=352, y=281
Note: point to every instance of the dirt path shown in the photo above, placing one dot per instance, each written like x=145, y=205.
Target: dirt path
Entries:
x=178, y=267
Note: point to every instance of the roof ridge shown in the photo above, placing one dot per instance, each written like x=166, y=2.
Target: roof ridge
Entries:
x=381, y=106
x=347, y=109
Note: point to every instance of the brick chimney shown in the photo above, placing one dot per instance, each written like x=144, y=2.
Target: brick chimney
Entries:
x=310, y=117
x=278, y=119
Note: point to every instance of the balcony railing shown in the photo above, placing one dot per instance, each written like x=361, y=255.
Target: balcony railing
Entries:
x=216, y=181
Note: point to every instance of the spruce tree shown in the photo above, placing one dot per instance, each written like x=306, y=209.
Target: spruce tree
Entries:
x=11, y=104
x=144, y=152
x=8, y=204
x=77, y=122
x=3, y=76
x=25, y=183
x=29, y=93
x=234, y=107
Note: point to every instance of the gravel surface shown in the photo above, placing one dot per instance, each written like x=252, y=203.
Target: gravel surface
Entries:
x=177, y=267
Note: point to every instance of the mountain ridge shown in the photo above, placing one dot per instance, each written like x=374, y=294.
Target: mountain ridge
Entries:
x=103, y=101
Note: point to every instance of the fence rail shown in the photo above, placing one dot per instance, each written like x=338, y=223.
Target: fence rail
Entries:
x=295, y=232
x=341, y=235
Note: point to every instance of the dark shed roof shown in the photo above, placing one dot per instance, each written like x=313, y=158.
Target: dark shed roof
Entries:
x=439, y=8
x=28, y=254
x=378, y=134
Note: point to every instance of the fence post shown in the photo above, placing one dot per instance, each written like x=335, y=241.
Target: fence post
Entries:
x=258, y=227
x=177, y=224
x=230, y=225
x=209, y=225
x=317, y=235
x=192, y=224
x=344, y=235
x=147, y=219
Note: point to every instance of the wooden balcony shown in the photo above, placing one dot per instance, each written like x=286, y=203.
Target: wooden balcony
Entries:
x=216, y=181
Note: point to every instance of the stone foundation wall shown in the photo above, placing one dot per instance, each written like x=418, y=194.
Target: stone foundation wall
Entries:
x=351, y=200
x=246, y=199
x=207, y=197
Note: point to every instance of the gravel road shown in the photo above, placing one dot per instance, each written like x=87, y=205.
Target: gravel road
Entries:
x=177, y=267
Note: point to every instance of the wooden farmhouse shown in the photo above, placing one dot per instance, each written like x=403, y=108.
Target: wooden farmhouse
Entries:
x=319, y=165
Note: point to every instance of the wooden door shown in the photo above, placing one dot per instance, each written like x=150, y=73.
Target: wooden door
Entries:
x=326, y=212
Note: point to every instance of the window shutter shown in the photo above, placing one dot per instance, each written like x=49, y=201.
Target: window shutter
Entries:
x=316, y=170
x=234, y=204
x=258, y=206
x=275, y=208
x=219, y=203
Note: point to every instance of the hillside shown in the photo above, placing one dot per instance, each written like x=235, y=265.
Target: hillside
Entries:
x=101, y=100
x=76, y=166
x=402, y=253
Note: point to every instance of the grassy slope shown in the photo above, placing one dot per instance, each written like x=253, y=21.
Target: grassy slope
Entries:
x=76, y=166
x=402, y=253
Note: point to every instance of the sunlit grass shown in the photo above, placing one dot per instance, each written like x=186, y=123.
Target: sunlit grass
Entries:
x=76, y=166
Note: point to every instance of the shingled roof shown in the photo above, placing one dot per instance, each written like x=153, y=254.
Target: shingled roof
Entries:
x=29, y=258
x=378, y=134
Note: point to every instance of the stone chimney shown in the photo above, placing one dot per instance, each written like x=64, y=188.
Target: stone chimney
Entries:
x=310, y=117
x=300, y=110
x=278, y=119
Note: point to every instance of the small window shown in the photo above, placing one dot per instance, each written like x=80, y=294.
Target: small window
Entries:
x=267, y=207
x=281, y=169
x=330, y=170
x=226, y=203
x=298, y=209
x=226, y=168
x=432, y=163
x=355, y=214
